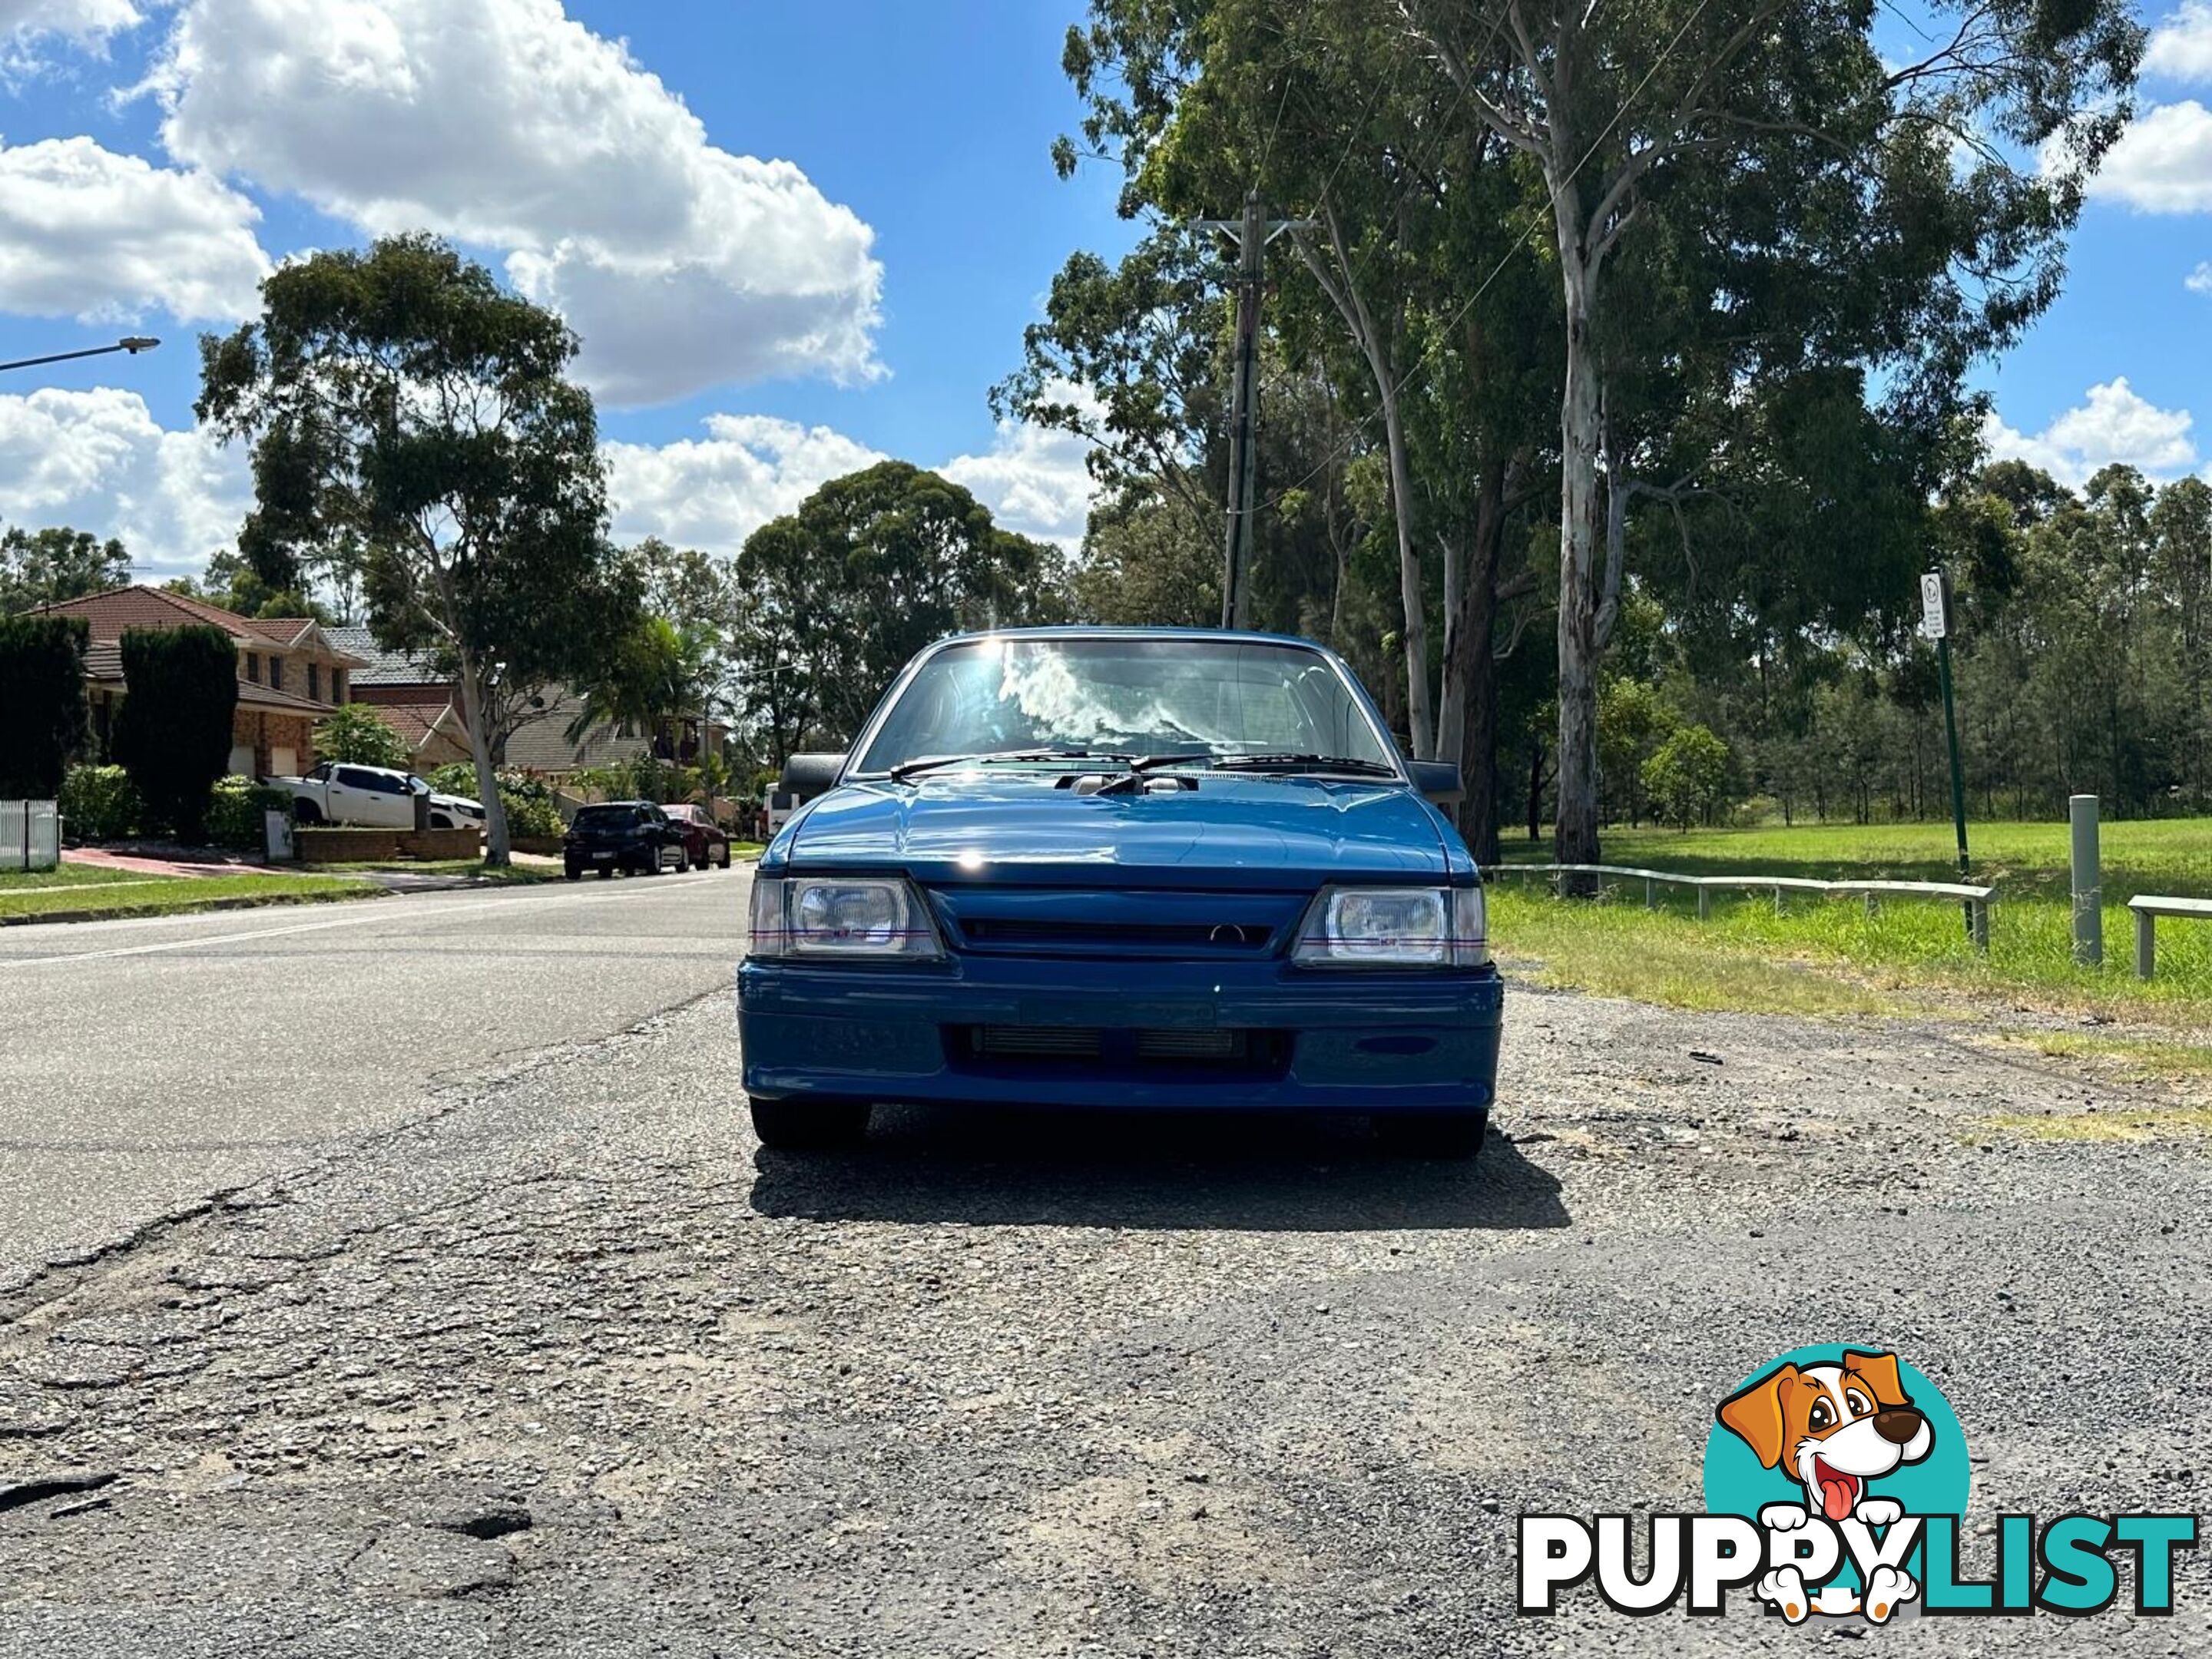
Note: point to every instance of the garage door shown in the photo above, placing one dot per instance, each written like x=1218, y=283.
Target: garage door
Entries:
x=284, y=762
x=241, y=760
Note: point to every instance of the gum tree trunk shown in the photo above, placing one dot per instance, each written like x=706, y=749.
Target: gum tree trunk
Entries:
x=1574, y=833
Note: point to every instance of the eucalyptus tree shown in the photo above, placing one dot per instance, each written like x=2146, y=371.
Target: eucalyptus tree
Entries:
x=412, y=421
x=1610, y=106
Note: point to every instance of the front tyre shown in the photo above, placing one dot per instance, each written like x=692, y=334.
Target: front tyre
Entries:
x=1431, y=1135
x=809, y=1124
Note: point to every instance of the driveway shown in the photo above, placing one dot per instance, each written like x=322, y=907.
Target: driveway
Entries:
x=559, y=1360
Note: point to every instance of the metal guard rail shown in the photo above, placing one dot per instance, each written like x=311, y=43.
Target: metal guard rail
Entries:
x=1977, y=900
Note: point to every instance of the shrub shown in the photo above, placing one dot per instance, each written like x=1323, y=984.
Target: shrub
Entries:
x=99, y=803
x=355, y=734
x=42, y=689
x=526, y=800
x=455, y=778
x=173, y=734
x=234, y=808
x=1688, y=777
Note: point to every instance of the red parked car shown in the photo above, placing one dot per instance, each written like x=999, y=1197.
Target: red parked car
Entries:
x=702, y=838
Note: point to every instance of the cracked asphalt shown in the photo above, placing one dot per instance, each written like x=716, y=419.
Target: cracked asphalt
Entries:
x=529, y=1348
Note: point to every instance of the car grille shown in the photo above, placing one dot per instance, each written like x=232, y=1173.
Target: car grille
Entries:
x=1244, y=1051
x=984, y=932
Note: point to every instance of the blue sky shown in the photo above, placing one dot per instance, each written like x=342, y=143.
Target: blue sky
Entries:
x=799, y=236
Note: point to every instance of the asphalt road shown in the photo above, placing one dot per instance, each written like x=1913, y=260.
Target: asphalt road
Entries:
x=564, y=1362
x=144, y=1065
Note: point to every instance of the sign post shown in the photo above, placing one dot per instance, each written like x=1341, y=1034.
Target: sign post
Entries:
x=1935, y=624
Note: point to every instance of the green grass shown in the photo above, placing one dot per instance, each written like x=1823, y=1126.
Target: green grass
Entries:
x=166, y=895
x=2027, y=860
x=67, y=875
x=1827, y=956
x=2094, y=1125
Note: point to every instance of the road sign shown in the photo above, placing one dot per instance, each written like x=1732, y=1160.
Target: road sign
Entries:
x=1934, y=606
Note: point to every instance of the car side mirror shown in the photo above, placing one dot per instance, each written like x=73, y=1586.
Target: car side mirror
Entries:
x=1439, y=781
x=810, y=774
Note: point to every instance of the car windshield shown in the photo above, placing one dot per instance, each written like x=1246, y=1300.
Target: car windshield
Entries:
x=1200, y=697
x=605, y=817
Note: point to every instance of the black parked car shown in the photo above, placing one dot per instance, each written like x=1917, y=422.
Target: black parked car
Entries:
x=622, y=835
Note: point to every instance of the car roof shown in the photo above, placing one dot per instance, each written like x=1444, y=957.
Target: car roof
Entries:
x=1107, y=631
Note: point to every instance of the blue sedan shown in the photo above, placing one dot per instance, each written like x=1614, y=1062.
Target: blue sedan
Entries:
x=1115, y=867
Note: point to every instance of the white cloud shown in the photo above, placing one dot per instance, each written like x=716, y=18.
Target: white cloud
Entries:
x=1034, y=479
x=87, y=21
x=2199, y=281
x=713, y=492
x=2163, y=162
x=503, y=123
x=88, y=233
x=2114, y=424
x=99, y=461
x=2180, y=47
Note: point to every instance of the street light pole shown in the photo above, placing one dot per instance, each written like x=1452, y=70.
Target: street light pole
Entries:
x=134, y=345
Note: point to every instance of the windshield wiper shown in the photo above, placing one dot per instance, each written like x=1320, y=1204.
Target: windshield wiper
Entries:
x=906, y=769
x=1366, y=769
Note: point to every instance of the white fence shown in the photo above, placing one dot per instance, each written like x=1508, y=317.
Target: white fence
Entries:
x=30, y=834
x=1977, y=900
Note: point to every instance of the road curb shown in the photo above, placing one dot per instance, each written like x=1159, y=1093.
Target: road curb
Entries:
x=264, y=902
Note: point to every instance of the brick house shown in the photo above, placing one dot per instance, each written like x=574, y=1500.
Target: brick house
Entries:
x=411, y=695
x=423, y=705
x=290, y=672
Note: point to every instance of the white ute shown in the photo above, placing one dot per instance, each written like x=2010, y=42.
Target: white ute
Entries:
x=338, y=793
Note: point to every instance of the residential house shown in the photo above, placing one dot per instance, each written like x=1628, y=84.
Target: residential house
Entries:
x=291, y=673
x=411, y=693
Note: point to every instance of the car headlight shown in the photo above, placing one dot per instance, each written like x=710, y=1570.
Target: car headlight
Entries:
x=846, y=916
x=1395, y=928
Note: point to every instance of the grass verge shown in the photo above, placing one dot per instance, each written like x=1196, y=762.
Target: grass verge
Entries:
x=1827, y=956
x=66, y=875
x=175, y=894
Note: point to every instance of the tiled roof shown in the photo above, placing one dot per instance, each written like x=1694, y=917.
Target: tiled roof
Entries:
x=110, y=613
x=383, y=667
x=267, y=696
x=416, y=721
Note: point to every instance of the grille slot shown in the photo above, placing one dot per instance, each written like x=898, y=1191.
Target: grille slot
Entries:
x=1034, y=1041
x=1234, y=1050
x=986, y=930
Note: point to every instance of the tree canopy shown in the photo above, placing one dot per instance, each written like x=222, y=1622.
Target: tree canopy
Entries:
x=1677, y=300
x=45, y=567
x=831, y=600
x=414, y=428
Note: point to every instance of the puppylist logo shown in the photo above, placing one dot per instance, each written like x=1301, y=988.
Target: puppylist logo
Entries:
x=1836, y=1484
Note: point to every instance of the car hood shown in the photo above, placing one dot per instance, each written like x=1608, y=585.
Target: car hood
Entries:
x=461, y=801
x=1248, y=831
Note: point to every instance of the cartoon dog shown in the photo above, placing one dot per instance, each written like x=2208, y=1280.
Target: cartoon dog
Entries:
x=1834, y=1428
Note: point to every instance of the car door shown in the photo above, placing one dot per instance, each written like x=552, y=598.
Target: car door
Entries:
x=361, y=795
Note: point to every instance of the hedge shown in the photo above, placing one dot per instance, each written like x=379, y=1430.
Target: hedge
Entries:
x=42, y=691
x=173, y=734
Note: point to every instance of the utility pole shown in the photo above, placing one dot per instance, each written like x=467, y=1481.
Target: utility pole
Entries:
x=1251, y=234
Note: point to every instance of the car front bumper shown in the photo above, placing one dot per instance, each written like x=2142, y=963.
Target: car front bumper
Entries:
x=1323, y=1041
